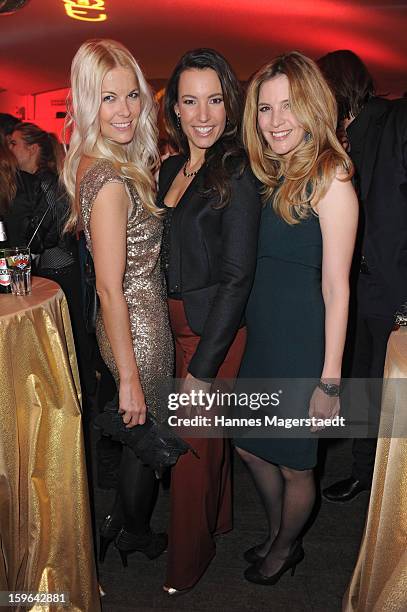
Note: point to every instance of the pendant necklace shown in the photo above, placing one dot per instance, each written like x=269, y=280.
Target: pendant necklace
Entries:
x=189, y=174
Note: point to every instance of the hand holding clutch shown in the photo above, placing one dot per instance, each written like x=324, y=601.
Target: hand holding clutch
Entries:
x=154, y=443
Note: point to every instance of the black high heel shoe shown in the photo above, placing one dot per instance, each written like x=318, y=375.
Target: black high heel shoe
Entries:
x=151, y=544
x=253, y=574
x=107, y=533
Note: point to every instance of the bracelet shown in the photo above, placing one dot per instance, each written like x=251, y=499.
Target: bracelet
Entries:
x=329, y=388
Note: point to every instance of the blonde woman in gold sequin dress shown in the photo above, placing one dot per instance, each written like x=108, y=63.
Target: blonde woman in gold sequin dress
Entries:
x=109, y=175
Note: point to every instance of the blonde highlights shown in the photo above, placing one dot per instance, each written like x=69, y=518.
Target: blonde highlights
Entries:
x=136, y=161
x=313, y=165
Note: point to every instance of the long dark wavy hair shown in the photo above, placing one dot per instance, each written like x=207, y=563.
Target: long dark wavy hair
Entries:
x=226, y=156
x=350, y=81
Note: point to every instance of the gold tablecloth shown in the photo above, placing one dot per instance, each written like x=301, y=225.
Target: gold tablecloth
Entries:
x=379, y=581
x=45, y=528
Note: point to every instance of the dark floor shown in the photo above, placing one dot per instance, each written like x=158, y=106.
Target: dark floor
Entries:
x=331, y=546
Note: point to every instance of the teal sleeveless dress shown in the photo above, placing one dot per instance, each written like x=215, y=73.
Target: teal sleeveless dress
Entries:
x=286, y=325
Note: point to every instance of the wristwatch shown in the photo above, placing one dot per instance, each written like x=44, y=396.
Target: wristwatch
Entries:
x=401, y=315
x=329, y=388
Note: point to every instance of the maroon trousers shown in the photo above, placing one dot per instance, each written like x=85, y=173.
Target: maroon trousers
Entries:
x=201, y=489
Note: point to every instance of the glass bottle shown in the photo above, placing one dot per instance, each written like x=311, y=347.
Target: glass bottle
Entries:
x=5, y=286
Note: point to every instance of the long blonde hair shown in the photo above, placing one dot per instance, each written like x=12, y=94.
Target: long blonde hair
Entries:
x=137, y=160
x=311, y=168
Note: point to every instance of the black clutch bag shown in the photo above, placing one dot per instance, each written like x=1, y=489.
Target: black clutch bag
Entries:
x=155, y=444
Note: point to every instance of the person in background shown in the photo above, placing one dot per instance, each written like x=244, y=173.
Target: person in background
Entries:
x=7, y=123
x=39, y=154
x=19, y=191
x=209, y=248
x=109, y=175
x=37, y=151
x=298, y=308
x=376, y=131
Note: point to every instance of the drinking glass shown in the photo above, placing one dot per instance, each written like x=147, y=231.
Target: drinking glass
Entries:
x=19, y=266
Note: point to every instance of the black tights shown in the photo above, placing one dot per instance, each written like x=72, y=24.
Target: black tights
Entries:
x=136, y=495
x=288, y=497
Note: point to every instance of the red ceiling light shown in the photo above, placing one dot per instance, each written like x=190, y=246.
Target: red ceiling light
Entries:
x=86, y=10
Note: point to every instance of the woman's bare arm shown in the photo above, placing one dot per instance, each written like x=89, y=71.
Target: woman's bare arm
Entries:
x=108, y=224
x=338, y=217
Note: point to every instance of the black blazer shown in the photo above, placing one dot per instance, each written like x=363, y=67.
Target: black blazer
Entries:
x=378, y=138
x=212, y=260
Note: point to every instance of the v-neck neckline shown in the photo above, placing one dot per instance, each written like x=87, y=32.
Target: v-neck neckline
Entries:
x=183, y=159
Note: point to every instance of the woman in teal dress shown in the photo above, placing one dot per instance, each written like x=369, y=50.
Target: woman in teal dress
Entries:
x=297, y=312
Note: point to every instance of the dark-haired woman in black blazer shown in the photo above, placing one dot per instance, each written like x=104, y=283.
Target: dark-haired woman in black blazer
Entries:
x=209, y=252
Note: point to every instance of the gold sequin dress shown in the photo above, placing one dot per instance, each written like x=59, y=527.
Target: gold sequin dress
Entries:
x=143, y=288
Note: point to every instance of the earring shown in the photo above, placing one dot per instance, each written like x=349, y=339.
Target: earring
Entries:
x=307, y=136
x=178, y=121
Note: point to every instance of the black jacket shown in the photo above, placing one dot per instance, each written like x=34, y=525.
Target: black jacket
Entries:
x=378, y=139
x=212, y=260
x=34, y=194
x=27, y=198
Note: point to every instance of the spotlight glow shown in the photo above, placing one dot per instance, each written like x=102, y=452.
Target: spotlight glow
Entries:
x=86, y=10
